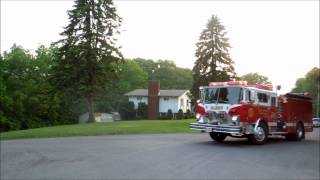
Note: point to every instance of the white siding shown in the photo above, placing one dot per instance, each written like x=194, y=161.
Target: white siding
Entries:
x=166, y=103
x=136, y=100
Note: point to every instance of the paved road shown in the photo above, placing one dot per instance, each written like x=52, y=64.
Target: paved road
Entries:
x=171, y=156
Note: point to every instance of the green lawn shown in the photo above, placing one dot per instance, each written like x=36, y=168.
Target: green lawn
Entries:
x=95, y=129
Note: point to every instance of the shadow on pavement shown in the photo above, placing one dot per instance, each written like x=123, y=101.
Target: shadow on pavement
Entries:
x=237, y=142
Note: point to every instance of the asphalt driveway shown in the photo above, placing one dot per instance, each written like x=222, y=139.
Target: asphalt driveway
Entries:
x=169, y=156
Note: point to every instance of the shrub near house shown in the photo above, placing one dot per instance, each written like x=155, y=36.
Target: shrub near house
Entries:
x=142, y=110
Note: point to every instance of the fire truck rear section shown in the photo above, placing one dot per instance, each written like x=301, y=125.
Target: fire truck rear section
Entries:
x=240, y=110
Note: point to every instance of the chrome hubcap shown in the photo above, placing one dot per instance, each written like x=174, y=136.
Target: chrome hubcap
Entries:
x=299, y=132
x=259, y=134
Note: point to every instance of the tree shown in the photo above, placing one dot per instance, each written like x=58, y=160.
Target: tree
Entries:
x=310, y=84
x=26, y=100
x=213, y=60
x=256, y=78
x=170, y=76
x=87, y=54
x=131, y=76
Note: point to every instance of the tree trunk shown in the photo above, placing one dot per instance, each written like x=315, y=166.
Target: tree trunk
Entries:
x=90, y=108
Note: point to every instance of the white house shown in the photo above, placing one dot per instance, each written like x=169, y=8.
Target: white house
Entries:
x=173, y=99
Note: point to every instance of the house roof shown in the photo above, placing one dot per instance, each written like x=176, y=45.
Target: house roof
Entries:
x=163, y=93
x=138, y=92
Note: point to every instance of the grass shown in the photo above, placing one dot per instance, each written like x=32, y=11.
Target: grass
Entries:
x=96, y=129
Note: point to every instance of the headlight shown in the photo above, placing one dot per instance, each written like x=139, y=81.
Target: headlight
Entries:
x=235, y=118
x=202, y=119
x=198, y=116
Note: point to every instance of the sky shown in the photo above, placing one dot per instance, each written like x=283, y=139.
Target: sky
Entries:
x=277, y=39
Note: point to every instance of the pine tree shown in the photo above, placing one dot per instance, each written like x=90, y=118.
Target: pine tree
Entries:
x=213, y=60
x=87, y=55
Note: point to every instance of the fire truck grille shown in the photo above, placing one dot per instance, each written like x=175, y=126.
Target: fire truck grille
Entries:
x=212, y=115
x=217, y=116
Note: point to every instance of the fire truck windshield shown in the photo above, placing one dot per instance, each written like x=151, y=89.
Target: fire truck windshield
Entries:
x=224, y=95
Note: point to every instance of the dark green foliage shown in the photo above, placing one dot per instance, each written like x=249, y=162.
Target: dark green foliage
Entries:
x=26, y=99
x=142, y=110
x=310, y=84
x=87, y=55
x=170, y=76
x=131, y=76
x=127, y=110
x=256, y=78
x=188, y=114
x=169, y=114
x=162, y=116
x=213, y=60
x=180, y=114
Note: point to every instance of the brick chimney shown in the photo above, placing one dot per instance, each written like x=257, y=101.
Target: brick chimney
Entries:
x=153, y=99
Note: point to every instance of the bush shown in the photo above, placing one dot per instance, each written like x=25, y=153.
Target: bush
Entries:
x=180, y=114
x=169, y=114
x=7, y=124
x=127, y=110
x=162, y=115
x=188, y=114
x=142, y=110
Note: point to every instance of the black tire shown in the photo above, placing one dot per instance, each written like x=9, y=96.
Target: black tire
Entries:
x=298, y=135
x=261, y=136
x=219, y=137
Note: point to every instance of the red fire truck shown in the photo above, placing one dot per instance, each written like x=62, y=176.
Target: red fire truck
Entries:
x=239, y=109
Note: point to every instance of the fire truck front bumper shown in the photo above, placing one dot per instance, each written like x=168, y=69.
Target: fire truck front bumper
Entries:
x=228, y=129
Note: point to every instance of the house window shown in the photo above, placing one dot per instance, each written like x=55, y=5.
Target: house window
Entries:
x=166, y=99
x=139, y=98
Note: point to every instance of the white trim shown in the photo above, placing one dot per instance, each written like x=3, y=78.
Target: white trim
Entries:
x=291, y=124
x=271, y=124
x=307, y=124
x=256, y=125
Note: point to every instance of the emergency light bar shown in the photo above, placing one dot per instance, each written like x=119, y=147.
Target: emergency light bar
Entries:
x=245, y=83
x=265, y=87
x=229, y=83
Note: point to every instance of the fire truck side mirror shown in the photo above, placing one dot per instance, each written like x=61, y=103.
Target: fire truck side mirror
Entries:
x=278, y=87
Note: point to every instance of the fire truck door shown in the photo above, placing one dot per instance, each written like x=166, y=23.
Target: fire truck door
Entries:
x=264, y=106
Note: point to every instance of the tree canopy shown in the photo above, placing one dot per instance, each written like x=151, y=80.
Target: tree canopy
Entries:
x=87, y=54
x=213, y=61
x=256, y=78
x=170, y=76
x=310, y=84
x=130, y=76
x=26, y=100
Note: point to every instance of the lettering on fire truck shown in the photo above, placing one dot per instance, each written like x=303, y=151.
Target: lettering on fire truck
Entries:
x=240, y=109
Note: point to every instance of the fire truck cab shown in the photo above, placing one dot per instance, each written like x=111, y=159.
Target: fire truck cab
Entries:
x=239, y=109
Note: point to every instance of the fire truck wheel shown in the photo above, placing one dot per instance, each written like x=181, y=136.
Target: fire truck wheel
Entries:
x=219, y=137
x=298, y=135
x=260, y=137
